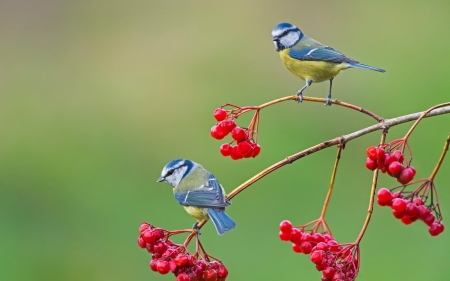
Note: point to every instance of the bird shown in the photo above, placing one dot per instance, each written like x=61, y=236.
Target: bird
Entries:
x=310, y=60
x=199, y=192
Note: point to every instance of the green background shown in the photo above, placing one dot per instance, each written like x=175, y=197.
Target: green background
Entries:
x=97, y=96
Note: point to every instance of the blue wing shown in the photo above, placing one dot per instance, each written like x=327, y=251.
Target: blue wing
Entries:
x=319, y=54
x=207, y=196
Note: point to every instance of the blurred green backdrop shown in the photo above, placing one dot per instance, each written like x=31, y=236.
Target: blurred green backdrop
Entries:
x=96, y=96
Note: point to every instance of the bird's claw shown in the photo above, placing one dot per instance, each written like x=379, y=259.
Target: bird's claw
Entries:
x=328, y=102
x=196, y=228
x=300, y=97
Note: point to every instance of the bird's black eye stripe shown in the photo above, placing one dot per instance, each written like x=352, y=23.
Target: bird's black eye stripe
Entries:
x=285, y=33
x=169, y=173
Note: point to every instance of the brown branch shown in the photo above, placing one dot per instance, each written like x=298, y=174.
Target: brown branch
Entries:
x=344, y=139
x=313, y=99
x=438, y=165
x=333, y=177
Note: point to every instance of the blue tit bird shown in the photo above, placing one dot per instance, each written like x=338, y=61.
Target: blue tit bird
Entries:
x=199, y=192
x=309, y=59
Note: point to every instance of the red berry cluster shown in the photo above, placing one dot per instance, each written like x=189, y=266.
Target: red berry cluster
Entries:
x=245, y=146
x=335, y=261
x=410, y=210
x=390, y=163
x=167, y=256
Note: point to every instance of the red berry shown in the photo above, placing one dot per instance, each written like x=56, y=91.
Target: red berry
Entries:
x=306, y=247
x=334, y=246
x=322, y=265
x=229, y=125
x=406, y=176
x=236, y=154
x=286, y=226
x=388, y=159
x=399, y=156
x=296, y=235
x=244, y=147
x=406, y=220
x=380, y=154
x=220, y=114
x=329, y=272
x=210, y=275
x=183, y=277
x=181, y=259
x=429, y=219
x=284, y=236
x=218, y=133
x=238, y=134
x=160, y=247
x=418, y=201
x=173, y=266
x=396, y=168
x=317, y=256
x=370, y=164
x=225, y=149
x=322, y=246
x=413, y=170
x=398, y=205
x=436, y=228
x=384, y=195
x=256, y=150
x=153, y=265
x=380, y=164
x=398, y=215
x=143, y=227
x=411, y=210
x=317, y=237
x=163, y=267
x=149, y=236
x=423, y=212
x=141, y=242
x=296, y=248
x=222, y=272
x=372, y=153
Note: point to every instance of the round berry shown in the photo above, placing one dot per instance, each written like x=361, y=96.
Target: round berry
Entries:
x=317, y=237
x=284, y=236
x=329, y=272
x=380, y=154
x=236, y=154
x=398, y=205
x=181, y=259
x=388, y=159
x=306, y=247
x=436, y=228
x=229, y=125
x=413, y=170
x=238, y=134
x=163, y=267
x=222, y=271
x=210, y=275
x=143, y=227
x=395, y=168
x=429, y=219
x=317, y=256
x=411, y=210
x=406, y=176
x=220, y=114
x=245, y=147
x=372, y=153
x=225, y=149
x=398, y=215
x=149, y=236
x=384, y=195
x=406, y=220
x=153, y=265
x=218, y=133
x=160, y=247
x=141, y=242
x=370, y=164
x=183, y=277
x=296, y=235
x=418, y=201
x=286, y=226
x=322, y=246
x=296, y=248
x=423, y=212
x=256, y=150
x=399, y=156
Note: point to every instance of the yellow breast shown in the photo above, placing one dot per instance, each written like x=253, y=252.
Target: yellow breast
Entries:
x=317, y=71
x=196, y=212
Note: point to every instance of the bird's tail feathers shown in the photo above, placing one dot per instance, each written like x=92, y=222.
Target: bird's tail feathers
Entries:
x=221, y=220
x=360, y=65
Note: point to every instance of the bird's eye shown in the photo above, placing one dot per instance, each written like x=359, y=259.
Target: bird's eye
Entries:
x=170, y=172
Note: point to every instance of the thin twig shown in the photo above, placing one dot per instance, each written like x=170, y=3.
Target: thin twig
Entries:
x=438, y=165
x=333, y=177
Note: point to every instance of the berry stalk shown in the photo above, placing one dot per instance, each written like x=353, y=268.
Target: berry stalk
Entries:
x=421, y=117
x=333, y=177
x=372, y=196
x=441, y=159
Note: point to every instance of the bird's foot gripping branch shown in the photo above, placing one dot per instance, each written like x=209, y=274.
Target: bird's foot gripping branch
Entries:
x=336, y=261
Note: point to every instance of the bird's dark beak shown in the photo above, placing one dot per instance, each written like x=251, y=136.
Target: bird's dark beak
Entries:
x=277, y=44
x=160, y=179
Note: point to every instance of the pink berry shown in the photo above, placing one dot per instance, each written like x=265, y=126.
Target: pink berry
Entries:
x=329, y=272
x=144, y=226
x=222, y=271
x=317, y=256
x=429, y=219
x=423, y=212
x=436, y=228
x=399, y=156
x=220, y=114
x=411, y=210
x=225, y=149
x=238, y=134
x=183, y=277
x=306, y=247
x=286, y=226
x=141, y=242
x=153, y=265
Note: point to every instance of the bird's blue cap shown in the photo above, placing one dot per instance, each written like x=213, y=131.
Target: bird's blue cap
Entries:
x=282, y=28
